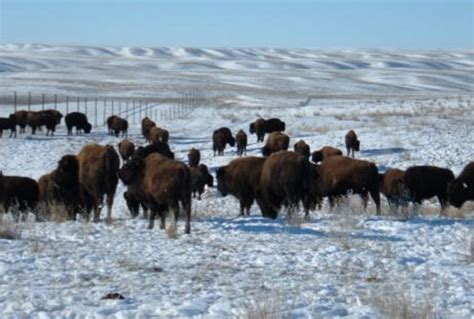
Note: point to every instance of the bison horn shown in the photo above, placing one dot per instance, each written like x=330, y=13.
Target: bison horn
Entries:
x=464, y=185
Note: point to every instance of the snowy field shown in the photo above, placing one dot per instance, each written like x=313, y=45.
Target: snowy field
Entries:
x=408, y=108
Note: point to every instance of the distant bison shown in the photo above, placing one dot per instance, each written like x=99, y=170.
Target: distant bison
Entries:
x=48, y=118
x=98, y=167
x=21, y=120
x=220, y=138
x=241, y=178
x=340, y=175
x=158, y=134
x=241, y=139
x=126, y=149
x=200, y=177
x=19, y=193
x=391, y=185
x=352, y=143
x=424, y=182
x=325, y=152
x=462, y=188
x=276, y=141
x=194, y=157
x=302, y=148
x=147, y=124
x=160, y=183
x=261, y=126
x=79, y=121
x=117, y=125
x=158, y=147
x=8, y=124
x=61, y=186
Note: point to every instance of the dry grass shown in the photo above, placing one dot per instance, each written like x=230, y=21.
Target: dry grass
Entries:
x=8, y=229
x=265, y=307
x=471, y=250
x=402, y=306
x=171, y=231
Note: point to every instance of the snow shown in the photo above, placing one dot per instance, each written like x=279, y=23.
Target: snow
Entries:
x=337, y=264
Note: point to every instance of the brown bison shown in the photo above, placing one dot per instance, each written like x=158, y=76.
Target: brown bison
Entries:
x=79, y=121
x=147, y=124
x=339, y=175
x=158, y=147
x=220, y=138
x=352, y=143
x=61, y=186
x=302, y=148
x=462, y=188
x=424, y=182
x=117, y=125
x=200, y=177
x=19, y=193
x=157, y=134
x=261, y=126
x=126, y=149
x=48, y=118
x=8, y=124
x=160, y=183
x=325, y=152
x=391, y=185
x=134, y=204
x=21, y=120
x=241, y=178
x=241, y=140
x=98, y=167
x=285, y=181
x=194, y=157
x=276, y=141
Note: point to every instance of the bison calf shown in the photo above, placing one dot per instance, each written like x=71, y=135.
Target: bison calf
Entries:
x=241, y=139
x=276, y=141
x=8, y=124
x=325, y=152
x=117, y=125
x=220, y=138
x=200, y=177
x=391, y=185
x=352, y=143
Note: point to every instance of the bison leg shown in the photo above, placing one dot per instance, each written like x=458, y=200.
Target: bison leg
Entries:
x=443, y=202
x=153, y=214
x=96, y=211
x=145, y=211
x=163, y=220
x=374, y=193
x=187, y=215
x=110, y=202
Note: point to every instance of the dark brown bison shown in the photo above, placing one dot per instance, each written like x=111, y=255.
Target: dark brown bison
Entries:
x=19, y=193
x=194, y=157
x=462, y=188
x=302, y=148
x=8, y=124
x=134, y=204
x=241, y=178
x=21, y=119
x=126, y=149
x=339, y=175
x=147, y=124
x=160, y=183
x=391, y=185
x=200, y=177
x=79, y=121
x=98, y=167
x=158, y=147
x=48, y=118
x=352, y=143
x=241, y=140
x=117, y=125
x=61, y=186
x=157, y=134
x=261, y=126
x=285, y=181
x=276, y=141
x=424, y=182
x=220, y=138
x=325, y=152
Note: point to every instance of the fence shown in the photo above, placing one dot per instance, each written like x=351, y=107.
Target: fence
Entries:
x=99, y=109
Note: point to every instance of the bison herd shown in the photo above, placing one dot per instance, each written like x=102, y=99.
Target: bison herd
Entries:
x=157, y=183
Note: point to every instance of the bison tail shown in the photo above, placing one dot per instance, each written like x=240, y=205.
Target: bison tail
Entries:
x=112, y=165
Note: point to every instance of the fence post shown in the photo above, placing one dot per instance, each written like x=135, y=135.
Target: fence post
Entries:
x=55, y=101
x=126, y=111
x=67, y=104
x=120, y=108
x=105, y=107
x=133, y=114
x=42, y=102
x=86, y=109
x=95, y=111
x=29, y=101
x=78, y=100
x=113, y=107
x=14, y=102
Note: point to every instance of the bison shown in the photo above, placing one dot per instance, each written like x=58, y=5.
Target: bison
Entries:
x=8, y=124
x=258, y=127
x=462, y=188
x=98, y=168
x=340, y=175
x=160, y=183
x=21, y=119
x=126, y=149
x=325, y=152
x=302, y=148
x=261, y=126
x=79, y=121
x=61, y=186
x=241, y=139
x=220, y=138
x=391, y=185
x=158, y=147
x=241, y=178
x=48, y=118
x=18, y=192
x=147, y=124
x=117, y=125
x=276, y=141
x=194, y=157
x=352, y=143
x=200, y=177
x=157, y=134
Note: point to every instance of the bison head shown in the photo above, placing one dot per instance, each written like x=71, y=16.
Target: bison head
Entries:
x=252, y=128
x=265, y=151
x=267, y=210
x=458, y=193
x=231, y=141
x=87, y=128
x=208, y=177
x=317, y=156
x=357, y=146
x=131, y=170
x=221, y=183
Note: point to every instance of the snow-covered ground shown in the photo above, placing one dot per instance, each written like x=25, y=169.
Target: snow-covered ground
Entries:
x=347, y=263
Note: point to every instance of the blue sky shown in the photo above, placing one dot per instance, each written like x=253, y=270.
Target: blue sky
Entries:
x=408, y=24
